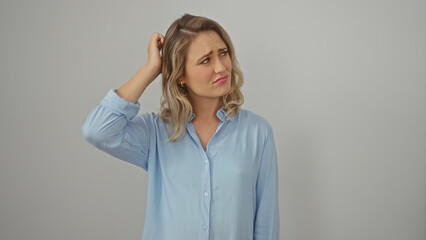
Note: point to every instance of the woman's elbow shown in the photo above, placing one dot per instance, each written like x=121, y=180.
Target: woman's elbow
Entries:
x=91, y=135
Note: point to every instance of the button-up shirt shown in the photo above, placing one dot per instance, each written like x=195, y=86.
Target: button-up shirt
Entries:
x=229, y=191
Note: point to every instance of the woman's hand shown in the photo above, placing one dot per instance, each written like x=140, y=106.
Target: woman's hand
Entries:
x=154, y=59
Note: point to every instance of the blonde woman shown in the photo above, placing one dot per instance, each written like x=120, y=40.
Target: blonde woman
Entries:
x=212, y=166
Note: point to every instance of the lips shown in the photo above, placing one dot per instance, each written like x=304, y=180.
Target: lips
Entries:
x=221, y=79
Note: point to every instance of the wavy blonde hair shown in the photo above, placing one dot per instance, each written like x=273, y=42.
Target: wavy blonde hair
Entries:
x=176, y=108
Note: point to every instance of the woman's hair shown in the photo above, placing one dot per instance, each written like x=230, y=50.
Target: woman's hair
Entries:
x=176, y=108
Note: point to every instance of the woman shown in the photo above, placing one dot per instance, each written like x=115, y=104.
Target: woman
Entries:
x=212, y=166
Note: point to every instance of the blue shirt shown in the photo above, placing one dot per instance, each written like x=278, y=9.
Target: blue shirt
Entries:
x=227, y=192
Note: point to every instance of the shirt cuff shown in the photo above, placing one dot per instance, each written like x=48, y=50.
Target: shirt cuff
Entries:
x=120, y=105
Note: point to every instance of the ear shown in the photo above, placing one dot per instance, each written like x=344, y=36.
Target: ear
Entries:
x=180, y=80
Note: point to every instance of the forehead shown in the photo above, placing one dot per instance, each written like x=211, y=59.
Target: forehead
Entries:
x=203, y=43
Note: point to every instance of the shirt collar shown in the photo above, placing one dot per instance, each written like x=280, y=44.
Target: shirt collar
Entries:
x=221, y=114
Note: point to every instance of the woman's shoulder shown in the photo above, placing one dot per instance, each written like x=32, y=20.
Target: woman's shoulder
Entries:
x=150, y=117
x=253, y=119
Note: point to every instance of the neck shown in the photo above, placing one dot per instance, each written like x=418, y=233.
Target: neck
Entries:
x=205, y=108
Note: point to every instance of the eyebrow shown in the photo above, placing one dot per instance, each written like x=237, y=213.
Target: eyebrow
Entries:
x=208, y=54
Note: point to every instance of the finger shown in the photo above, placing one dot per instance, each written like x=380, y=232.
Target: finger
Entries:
x=158, y=38
x=155, y=38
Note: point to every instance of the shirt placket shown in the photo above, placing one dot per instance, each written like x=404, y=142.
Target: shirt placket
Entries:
x=205, y=183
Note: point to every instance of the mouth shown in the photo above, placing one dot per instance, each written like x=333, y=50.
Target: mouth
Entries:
x=221, y=79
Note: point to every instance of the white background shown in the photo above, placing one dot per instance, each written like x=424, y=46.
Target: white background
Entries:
x=343, y=84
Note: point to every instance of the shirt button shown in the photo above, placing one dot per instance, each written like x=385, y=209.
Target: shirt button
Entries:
x=206, y=161
x=204, y=226
x=206, y=194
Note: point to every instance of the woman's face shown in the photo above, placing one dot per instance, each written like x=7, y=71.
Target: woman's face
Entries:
x=207, y=62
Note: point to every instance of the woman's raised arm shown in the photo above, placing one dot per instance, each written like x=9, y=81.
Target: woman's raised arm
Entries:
x=133, y=89
x=113, y=125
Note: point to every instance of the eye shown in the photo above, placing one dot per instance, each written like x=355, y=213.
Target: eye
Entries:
x=224, y=53
x=203, y=62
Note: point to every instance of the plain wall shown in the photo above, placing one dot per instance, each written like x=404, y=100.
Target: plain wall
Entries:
x=343, y=84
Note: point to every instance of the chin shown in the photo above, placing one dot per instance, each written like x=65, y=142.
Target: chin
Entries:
x=228, y=90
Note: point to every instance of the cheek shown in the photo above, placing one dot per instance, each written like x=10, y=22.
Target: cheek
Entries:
x=205, y=75
x=196, y=75
x=228, y=63
x=201, y=76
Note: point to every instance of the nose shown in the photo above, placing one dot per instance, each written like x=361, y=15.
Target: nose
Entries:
x=219, y=66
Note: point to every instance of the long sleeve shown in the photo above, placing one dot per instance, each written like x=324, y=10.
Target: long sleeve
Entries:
x=267, y=221
x=114, y=127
